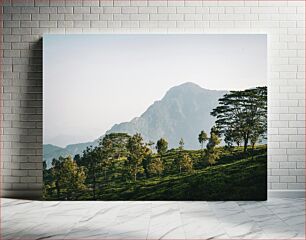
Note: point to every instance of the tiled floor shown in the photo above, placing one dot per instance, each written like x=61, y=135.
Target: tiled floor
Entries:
x=274, y=219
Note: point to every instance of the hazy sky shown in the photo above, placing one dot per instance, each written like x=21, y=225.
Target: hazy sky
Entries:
x=92, y=82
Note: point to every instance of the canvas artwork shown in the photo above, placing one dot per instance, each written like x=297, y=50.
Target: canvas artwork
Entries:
x=155, y=117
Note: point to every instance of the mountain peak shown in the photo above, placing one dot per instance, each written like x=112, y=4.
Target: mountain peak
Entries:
x=187, y=85
x=185, y=88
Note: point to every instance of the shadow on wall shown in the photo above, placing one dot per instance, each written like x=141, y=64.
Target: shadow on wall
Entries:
x=30, y=124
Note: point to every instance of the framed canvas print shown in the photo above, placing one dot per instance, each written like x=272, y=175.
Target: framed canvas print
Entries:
x=155, y=117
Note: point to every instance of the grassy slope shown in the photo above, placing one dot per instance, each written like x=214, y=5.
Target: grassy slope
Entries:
x=232, y=179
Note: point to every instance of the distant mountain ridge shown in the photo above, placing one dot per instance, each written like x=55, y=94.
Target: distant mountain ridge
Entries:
x=182, y=113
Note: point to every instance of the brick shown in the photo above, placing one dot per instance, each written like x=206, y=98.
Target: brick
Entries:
x=189, y=3
x=148, y=24
x=137, y=3
x=287, y=165
x=98, y=24
x=280, y=172
x=25, y=3
x=202, y=10
x=277, y=186
x=57, y=3
x=185, y=24
x=40, y=3
x=217, y=10
x=11, y=38
x=82, y=24
x=176, y=17
x=157, y=3
x=21, y=17
x=95, y=2
x=96, y=10
x=40, y=16
x=296, y=172
x=11, y=24
x=230, y=3
x=166, y=10
x=73, y=17
x=160, y=17
x=296, y=186
x=130, y=24
x=273, y=179
x=147, y=9
x=222, y=24
x=104, y=17
x=185, y=9
x=139, y=17
x=167, y=24
x=91, y=16
x=129, y=10
x=29, y=10
x=121, y=17
x=268, y=10
x=111, y=10
x=193, y=17
x=21, y=31
x=300, y=179
x=63, y=10
x=176, y=3
x=19, y=173
x=57, y=17
x=81, y=9
x=11, y=10
x=11, y=179
x=48, y=10
x=230, y=17
x=288, y=179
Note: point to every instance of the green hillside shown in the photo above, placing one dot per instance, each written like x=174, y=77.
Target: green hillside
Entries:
x=234, y=177
x=231, y=179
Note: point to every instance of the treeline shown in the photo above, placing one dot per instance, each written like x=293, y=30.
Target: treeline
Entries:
x=119, y=157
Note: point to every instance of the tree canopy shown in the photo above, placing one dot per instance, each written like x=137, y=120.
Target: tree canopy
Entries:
x=162, y=146
x=242, y=115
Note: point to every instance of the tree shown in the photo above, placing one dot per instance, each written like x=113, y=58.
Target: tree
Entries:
x=68, y=177
x=78, y=159
x=145, y=164
x=44, y=165
x=181, y=144
x=202, y=138
x=92, y=161
x=56, y=175
x=232, y=136
x=111, y=148
x=211, y=152
x=137, y=151
x=72, y=178
x=243, y=113
x=185, y=163
x=151, y=144
x=162, y=146
x=258, y=134
x=107, y=154
x=156, y=166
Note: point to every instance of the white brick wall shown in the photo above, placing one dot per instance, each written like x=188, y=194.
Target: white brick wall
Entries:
x=24, y=22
